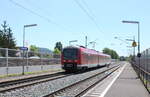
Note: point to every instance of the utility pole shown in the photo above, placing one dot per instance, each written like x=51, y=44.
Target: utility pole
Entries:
x=134, y=49
x=94, y=44
x=86, y=41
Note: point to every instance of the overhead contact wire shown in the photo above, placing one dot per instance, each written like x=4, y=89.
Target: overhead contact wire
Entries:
x=35, y=13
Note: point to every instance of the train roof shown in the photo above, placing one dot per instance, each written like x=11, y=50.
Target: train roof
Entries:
x=86, y=50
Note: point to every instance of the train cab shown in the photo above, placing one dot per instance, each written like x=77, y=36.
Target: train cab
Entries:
x=70, y=58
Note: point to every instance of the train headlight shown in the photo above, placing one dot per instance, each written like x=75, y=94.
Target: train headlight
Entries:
x=64, y=60
x=75, y=60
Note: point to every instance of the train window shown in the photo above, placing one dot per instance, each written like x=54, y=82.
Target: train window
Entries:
x=70, y=54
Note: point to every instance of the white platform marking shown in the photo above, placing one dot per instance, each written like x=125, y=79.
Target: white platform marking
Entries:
x=108, y=87
x=102, y=92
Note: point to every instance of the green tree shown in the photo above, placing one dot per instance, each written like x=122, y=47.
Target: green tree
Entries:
x=107, y=51
x=57, y=51
x=6, y=37
x=34, y=51
x=58, y=46
x=111, y=52
x=34, y=48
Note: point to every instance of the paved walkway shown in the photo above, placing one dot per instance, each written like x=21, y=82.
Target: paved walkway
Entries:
x=127, y=85
x=122, y=83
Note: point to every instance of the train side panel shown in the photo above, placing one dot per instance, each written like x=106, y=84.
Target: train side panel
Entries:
x=85, y=58
x=91, y=60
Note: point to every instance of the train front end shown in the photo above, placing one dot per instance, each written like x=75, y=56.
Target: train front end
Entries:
x=70, y=58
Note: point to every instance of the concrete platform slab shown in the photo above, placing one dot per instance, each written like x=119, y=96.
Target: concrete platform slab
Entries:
x=127, y=85
x=122, y=83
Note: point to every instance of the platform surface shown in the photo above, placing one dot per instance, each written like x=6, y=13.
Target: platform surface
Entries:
x=123, y=83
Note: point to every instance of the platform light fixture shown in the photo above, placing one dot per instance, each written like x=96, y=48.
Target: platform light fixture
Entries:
x=25, y=26
x=138, y=23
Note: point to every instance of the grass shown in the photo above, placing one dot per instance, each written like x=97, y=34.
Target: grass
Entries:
x=30, y=73
x=9, y=75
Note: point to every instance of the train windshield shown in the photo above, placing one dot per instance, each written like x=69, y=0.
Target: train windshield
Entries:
x=70, y=54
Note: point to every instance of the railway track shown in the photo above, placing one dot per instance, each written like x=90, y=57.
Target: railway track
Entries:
x=10, y=85
x=79, y=88
x=20, y=83
x=52, y=84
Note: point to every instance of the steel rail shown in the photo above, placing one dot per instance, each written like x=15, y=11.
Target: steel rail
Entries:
x=94, y=84
x=6, y=83
x=67, y=87
x=22, y=84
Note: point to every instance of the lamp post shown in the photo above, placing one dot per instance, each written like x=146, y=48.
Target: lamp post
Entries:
x=92, y=42
x=133, y=45
x=130, y=50
x=86, y=41
x=25, y=26
x=124, y=41
x=121, y=40
x=72, y=41
x=139, y=55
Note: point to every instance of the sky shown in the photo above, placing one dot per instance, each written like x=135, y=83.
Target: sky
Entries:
x=66, y=20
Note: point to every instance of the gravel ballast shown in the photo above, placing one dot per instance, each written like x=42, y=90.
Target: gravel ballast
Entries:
x=46, y=88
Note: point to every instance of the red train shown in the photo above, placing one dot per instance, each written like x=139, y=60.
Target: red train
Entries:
x=78, y=58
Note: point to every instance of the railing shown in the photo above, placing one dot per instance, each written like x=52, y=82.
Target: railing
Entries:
x=10, y=58
x=142, y=68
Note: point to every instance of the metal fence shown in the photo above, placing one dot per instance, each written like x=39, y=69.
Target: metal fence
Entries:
x=142, y=67
x=12, y=58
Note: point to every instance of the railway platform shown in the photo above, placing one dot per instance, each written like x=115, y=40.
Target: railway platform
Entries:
x=122, y=83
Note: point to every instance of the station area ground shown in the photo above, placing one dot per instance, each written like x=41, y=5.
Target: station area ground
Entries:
x=33, y=74
x=122, y=83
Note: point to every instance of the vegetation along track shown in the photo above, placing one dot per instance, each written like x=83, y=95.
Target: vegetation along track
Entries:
x=76, y=88
x=20, y=83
